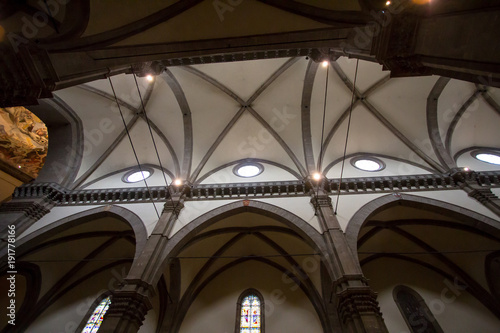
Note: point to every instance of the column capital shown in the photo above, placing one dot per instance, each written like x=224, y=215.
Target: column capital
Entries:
x=30, y=209
x=358, y=303
x=321, y=200
x=126, y=312
x=175, y=205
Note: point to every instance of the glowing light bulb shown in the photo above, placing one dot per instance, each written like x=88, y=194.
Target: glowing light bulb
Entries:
x=387, y=3
x=466, y=169
x=316, y=176
x=325, y=63
x=149, y=77
x=177, y=182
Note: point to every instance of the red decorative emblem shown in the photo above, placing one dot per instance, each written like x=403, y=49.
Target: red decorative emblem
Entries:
x=246, y=202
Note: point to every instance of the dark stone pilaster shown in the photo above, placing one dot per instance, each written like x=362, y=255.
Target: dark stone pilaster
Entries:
x=355, y=301
x=128, y=308
x=357, y=306
x=130, y=303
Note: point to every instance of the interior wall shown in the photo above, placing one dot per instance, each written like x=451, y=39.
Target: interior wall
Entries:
x=454, y=308
x=66, y=314
x=287, y=308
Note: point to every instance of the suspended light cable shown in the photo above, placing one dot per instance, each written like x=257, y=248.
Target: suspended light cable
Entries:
x=154, y=144
x=149, y=127
x=320, y=161
x=132, y=145
x=347, y=135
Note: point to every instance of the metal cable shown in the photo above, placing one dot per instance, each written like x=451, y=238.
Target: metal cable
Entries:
x=132, y=144
x=154, y=144
x=347, y=136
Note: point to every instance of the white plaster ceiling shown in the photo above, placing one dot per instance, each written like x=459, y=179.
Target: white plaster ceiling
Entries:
x=207, y=118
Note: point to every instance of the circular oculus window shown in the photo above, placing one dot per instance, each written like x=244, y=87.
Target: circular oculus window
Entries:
x=487, y=157
x=370, y=164
x=135, y=175
x=248, y=170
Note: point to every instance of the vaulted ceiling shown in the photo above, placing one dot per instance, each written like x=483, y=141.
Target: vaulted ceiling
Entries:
x=205, y=119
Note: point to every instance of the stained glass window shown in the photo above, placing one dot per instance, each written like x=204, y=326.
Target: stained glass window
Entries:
x=250, y=314
x=417, y=315
x=96, y=318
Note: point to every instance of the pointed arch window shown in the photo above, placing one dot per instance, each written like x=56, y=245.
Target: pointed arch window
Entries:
x=415, y=311
x=249, y=313
x=97, y=316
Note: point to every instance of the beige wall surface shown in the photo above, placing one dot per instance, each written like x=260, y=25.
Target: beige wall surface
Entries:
x=287, y=307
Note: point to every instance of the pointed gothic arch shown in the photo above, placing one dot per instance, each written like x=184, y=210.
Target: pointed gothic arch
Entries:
x=117, y=212
x=309, y=234
x=463, y=215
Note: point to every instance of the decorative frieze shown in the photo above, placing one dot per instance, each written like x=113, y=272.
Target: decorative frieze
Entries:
x=414, y=183
x=354, y=303
x=321, y=201
x=482, y=195
x=32, y=210
x=174, y=206
x=127, y=311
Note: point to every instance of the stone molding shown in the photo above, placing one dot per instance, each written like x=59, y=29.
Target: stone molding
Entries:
x=354, y=302
x=414, y=183
x=31, y=210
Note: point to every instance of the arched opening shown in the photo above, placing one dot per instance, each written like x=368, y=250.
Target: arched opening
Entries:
x=66, y=141
x=77, y=259
x=250, y=312
x=252, y=245
x=436, y=249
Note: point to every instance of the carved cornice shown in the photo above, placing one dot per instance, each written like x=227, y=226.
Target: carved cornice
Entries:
x=429, y=182
x=394, y=46
x=132, y=306
x=482, y=195
x=321, y=201
x=173, y=206
x=32, y=210
x=355, y=302
x=49, y=191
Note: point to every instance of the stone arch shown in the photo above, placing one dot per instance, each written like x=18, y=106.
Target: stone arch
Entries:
x=120, y=213
x=463, y=215
x=310, y=235
x=65, y=151
x=32, y=275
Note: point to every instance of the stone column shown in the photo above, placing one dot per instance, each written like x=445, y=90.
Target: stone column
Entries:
x=131, y=302
x=354, y=300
